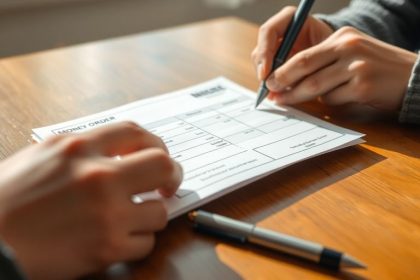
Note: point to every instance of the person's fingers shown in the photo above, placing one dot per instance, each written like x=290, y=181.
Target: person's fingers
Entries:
x=132, y=247
x=269, y=38
x=341, y=95
x=301, y=65
x=148, y=170
x=315, y=85
x=122, y=138
x=147, y=216
x=271, y=96
x=140, y=245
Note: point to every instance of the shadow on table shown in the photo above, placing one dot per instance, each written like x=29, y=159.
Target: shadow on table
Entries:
x=180, y=253
x=382, y=129
x=278, y=191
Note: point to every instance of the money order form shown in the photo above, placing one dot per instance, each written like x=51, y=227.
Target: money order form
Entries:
x=219, y=138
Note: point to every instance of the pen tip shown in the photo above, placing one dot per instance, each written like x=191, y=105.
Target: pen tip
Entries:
x=351, y=262
x=262, y=94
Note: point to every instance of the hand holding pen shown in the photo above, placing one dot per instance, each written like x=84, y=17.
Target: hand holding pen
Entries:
x=292, y=32
x=334, y=67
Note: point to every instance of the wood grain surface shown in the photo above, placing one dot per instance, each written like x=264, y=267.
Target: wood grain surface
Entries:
x=363, y=200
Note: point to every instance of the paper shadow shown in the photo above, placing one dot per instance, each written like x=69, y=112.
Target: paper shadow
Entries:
x=278, y=191
x=382, y=129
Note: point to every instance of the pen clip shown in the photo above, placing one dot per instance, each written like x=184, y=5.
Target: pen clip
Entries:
x=219, y=233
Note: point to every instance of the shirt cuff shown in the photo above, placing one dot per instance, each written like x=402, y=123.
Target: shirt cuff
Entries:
x=410, y=111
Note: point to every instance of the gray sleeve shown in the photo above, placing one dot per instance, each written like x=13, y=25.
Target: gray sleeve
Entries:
x=410, y=111
x=394, y=21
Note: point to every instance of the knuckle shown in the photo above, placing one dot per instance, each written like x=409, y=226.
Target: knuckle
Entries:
x=344, y=30
x=95, y=176
x=93, y=183
x=130, y=125
x=350, y=42
x=360, y=68
x=152, y=139
x=303, y=60
x=133, y=129
x=347, y=30
x=354, y=41
x=261, y=56
x=73, y=144
x=282, y=77
x=313, y=85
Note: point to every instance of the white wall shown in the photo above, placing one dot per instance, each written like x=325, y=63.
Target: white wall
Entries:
x=32, y=25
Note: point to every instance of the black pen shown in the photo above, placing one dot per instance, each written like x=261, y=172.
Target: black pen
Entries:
x=289, y=39
x=244, y=232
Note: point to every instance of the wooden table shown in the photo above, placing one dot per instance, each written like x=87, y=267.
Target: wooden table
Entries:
x=363, y=200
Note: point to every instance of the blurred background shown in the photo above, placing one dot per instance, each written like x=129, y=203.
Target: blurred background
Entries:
x=34, y=25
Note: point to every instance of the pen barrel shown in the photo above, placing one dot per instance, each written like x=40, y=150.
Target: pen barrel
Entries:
x=264, y=237
x=224, y=224
x=292, y=32
x=226, y=227
x=287, y=244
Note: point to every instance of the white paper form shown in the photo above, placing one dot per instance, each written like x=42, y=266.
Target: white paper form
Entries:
x=221, y=141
